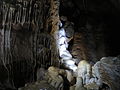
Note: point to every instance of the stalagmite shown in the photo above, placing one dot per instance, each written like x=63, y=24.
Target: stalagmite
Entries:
x=84, y=71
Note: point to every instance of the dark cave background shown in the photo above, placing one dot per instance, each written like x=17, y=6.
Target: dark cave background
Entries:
x=96, y=20
x=96, y=12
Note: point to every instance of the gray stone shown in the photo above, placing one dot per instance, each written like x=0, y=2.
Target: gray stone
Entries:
x=41, y=85
x=107, y=71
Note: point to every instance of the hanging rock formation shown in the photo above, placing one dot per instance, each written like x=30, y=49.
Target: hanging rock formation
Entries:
x=25, y=39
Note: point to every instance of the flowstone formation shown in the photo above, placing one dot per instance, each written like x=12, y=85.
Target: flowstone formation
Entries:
x=65, y=34
x=102, y=76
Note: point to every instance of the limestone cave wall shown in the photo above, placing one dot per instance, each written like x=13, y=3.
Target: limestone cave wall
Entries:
x=28, y=35
x=26, y=41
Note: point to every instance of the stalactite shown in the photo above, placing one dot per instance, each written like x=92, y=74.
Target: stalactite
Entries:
x=21, y=28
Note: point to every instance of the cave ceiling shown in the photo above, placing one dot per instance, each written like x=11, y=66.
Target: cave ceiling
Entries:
x=93, y=5
x=96, y=7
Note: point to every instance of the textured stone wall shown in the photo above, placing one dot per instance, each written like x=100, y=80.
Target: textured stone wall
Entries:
x=25, y=39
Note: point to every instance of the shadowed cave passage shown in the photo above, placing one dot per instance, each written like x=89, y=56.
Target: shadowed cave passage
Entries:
x=104, y=24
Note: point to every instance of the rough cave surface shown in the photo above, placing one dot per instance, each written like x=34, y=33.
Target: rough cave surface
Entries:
x=28, y=42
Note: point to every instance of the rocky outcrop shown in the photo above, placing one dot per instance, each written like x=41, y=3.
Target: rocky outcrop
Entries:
x=107, y=70
x=40, y=85
x=50, y=79
x=105, y=75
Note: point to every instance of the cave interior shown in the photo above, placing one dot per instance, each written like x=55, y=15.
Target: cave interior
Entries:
x=28, y=41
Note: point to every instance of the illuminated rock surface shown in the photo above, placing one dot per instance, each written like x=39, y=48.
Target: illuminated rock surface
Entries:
x=107, y=70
